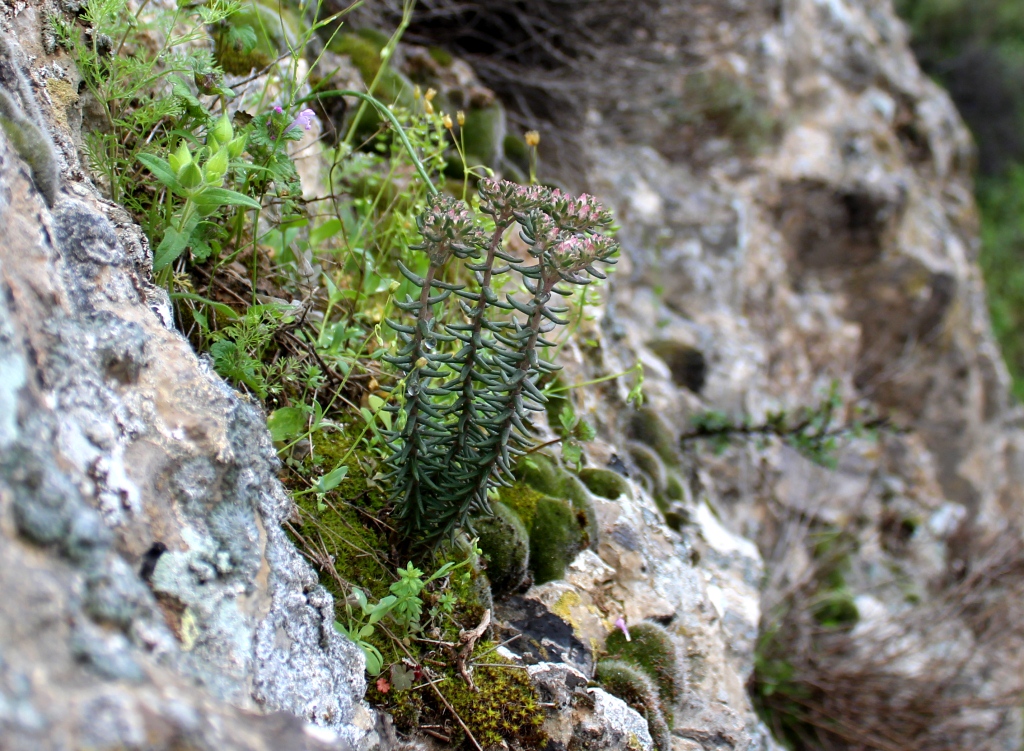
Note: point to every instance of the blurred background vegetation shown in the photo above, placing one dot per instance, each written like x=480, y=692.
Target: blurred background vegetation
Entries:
x=975, y=48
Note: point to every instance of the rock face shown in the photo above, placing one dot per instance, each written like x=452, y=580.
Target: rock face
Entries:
x=795, y=207
x=151, y=598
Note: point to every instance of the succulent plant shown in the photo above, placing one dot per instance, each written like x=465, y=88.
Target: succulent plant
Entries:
x=470, y=374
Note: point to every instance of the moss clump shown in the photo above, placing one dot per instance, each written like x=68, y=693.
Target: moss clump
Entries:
x=541, y=473
x=522, y=499
x=605, y=483
x=343, y=523
x=506, y=548
x=505, y=707
x=650, y=648
x=636, y=689
x=557, y=536
x=574, y=491
x=646, y=426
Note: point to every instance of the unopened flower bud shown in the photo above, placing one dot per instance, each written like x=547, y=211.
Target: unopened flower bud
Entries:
x=431, y=93
x=428, y=107
x=416, y=93
x=461, y=117
x=532, y=138
x=421, y=363
x=446, y=120
x=223, y=131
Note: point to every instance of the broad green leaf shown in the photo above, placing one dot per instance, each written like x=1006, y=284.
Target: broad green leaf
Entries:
x=567, y=417
x=287, y=423
x=224, y=197
x=585, y=431
x=161, y=170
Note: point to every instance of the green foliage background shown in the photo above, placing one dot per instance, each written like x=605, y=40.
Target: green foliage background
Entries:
x=975, y=48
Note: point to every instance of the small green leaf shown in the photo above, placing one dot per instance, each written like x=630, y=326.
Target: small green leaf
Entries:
x=584, y=431
x=572, y=453
x=172, y=246
x=190, y=176
x=567, y=417
x=332, y=479
x=287, y=423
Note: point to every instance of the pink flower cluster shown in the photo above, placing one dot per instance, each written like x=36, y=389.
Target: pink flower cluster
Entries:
x=447, y=226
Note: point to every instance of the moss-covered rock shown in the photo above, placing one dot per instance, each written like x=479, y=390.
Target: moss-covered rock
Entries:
x=647, y=426
x=522, y=499
x=632, y=686
x=573, y=490
x=392, y=87
x=556, y=538
x=605, y=483
x=506, y=548
x=541, y=472
x=650, y=648
x=274, y=29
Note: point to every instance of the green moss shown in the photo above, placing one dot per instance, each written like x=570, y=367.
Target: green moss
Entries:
x=541, y=473
x=343, y=525
x=522, y=499
x=573, y=490
x=651, y=649
x=605, y=483
x=505, y=706
x=636, y=689
x=277, y=29
x=647, y=427
x=835, y=608
x=557, y=536
x=506, y=548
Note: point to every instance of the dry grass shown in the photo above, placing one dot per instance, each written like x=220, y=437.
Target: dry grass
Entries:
x=941, y=676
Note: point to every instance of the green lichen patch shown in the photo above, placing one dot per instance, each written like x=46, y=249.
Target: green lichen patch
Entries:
x=650, y=648
x=632, y=686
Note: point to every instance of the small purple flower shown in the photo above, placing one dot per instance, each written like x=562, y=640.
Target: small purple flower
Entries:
x=621, y=625
x=277, y=109
x=304, y=120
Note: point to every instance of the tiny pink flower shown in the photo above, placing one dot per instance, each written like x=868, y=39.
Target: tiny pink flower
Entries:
x=277, y=109
x=621, y=625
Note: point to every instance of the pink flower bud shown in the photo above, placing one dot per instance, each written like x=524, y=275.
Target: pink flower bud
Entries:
x=621, y=625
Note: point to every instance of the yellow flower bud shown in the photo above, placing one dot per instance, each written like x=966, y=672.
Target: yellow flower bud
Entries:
x=428, y=107
x=431, y=93
x=461, y=117
x=416, y=93
x=421, y=363
x=447, y=122
x=532, y=138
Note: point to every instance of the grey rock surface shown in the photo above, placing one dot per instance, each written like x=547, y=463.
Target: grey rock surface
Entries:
x=150, y=596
